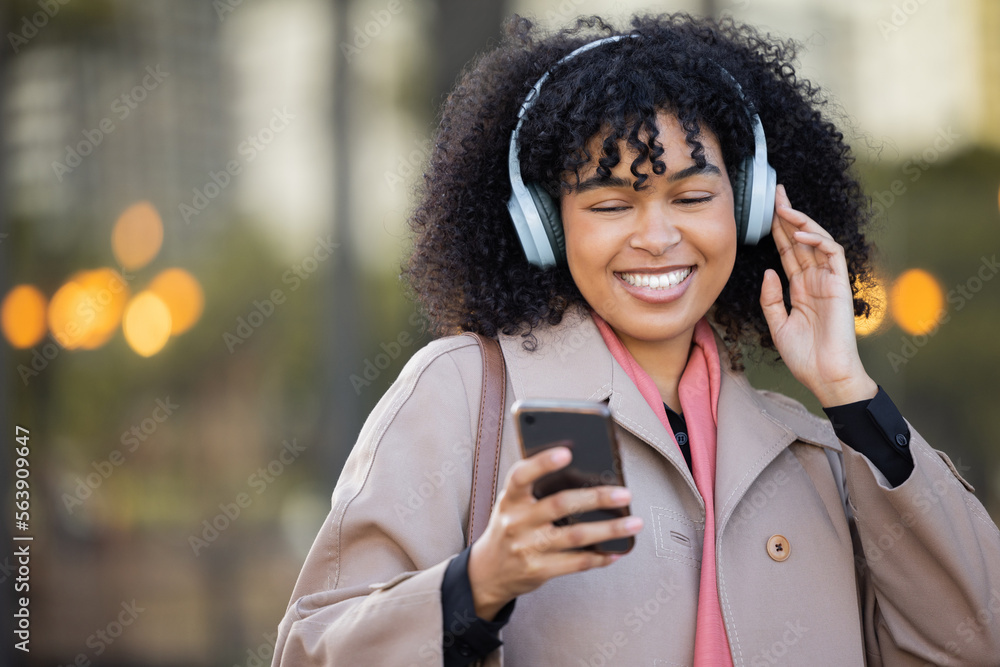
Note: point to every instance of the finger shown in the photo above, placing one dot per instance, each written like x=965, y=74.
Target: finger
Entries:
x=790, y=221
x=772, y=302
x=546, y=566
x=574, y=501
x=525, y=472
x=568, y=562
x=587, y=533
x=798, y=220
x=782, y=239
x=829, y=254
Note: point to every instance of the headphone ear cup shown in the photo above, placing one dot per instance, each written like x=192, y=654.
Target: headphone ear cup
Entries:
x=742, y=196
x=548, y=212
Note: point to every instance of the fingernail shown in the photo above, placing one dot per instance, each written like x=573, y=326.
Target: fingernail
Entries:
x=620, y=495
x=633, y=523
x=559, y=455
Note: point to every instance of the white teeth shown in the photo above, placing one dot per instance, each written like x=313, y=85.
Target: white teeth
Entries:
x=660, y=281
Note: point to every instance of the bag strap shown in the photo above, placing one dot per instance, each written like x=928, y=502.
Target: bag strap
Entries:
x=486, y=466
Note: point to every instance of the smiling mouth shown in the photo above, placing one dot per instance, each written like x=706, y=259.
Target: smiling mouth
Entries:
x=656, y=280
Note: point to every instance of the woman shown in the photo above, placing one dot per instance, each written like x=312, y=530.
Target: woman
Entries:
x=770, y=537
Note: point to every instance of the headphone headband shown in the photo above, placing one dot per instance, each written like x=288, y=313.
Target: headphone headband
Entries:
x=536, y=217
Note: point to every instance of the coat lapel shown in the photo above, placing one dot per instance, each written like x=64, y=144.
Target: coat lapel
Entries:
x=571, y=361
x=754, y=428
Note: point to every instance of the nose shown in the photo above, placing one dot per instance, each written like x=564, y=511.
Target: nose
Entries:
x=655, y=231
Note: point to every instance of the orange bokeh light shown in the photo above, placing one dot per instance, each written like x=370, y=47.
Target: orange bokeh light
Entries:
x=916, y=302
x=877, y=299
x=68, y=320
x=146, y=323
x=137, y=235
x=22, y=316
x=107, y=294
x=182, y=294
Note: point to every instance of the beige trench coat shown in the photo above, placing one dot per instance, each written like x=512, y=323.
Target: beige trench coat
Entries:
x=877, y=576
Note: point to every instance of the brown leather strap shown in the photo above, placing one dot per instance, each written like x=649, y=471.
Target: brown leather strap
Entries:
x=486, y=466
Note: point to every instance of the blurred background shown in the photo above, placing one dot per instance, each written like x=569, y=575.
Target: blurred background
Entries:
x=202, y=219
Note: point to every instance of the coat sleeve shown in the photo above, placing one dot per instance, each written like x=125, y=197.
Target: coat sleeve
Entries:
x=928, y=558
x=369, y=591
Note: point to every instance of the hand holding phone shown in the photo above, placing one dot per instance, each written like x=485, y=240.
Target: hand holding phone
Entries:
x=521, y=549
x=586, y=429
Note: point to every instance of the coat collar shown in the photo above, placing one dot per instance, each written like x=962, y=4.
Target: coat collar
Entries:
x=571, y=361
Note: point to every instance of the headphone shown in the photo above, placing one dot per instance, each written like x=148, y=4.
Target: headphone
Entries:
x=536, y=214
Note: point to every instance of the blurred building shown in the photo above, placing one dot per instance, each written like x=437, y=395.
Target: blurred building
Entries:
x=256, y=126
x=898, y=71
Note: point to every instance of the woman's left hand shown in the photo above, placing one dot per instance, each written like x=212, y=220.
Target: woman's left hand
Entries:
x=816, y=340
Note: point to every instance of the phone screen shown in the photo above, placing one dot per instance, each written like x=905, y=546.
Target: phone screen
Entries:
x=586, y=429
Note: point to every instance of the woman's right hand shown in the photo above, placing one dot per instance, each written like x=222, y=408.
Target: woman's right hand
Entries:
x=521, y=549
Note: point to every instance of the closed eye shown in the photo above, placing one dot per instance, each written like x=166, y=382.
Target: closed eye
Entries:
x=693, y=201
x=608, y=209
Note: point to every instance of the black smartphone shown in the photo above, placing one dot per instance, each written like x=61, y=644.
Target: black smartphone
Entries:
x=586, y=429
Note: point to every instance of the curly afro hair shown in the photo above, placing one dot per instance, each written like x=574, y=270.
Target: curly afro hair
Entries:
x=467, y=268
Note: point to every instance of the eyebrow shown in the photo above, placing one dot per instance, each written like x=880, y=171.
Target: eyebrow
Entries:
x=595, y=181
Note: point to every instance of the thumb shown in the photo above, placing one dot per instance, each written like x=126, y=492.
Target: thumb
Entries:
x=771, y=301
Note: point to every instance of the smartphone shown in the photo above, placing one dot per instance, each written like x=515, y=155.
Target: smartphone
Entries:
x=586, y=428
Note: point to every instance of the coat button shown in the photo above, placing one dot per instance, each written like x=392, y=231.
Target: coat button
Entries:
x=901, y=440
x=778, y=548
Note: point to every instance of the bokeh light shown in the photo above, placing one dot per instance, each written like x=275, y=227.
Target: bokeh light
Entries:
x=183, y=295
x=69, y=315
x=916, y=302
x=877, y=299
x=137, y=235
x=22, y=316
x=107, y=294
x=146, y=323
